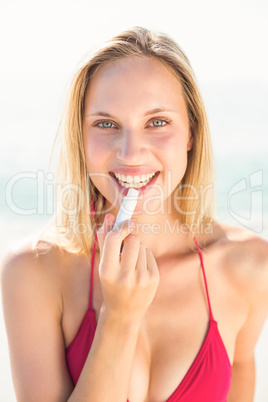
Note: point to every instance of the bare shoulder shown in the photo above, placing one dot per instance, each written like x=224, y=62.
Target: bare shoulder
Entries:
x=249, y=250
x=45, y=274
x=24, y=255
x=243, y=259
x=251, y=243
x=35, y=273
x=244, y=256
x=32, y=306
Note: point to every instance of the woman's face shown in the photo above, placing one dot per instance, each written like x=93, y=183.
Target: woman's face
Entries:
x=136, y=123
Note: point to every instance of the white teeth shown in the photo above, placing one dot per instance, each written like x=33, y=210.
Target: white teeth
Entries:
x=129, y=179
x=134, y=181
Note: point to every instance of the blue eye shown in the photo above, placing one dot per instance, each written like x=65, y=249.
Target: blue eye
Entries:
x=158, y=123
x=106, y=124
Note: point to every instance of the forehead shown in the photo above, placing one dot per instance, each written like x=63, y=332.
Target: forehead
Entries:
x=134, y=80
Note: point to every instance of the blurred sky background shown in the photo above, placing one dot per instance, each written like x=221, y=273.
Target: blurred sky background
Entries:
x=227, y=44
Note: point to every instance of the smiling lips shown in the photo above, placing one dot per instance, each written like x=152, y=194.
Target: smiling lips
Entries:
x=134, y=181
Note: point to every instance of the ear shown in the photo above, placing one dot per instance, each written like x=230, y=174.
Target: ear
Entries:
x=190, y=140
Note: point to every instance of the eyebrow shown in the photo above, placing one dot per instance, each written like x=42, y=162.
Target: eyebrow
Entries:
x=149, y=112
x=159, y=110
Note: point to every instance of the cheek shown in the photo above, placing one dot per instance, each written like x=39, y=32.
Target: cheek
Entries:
x=96, y=151
x=173, y=154
x=97, y=158
x=172, y=149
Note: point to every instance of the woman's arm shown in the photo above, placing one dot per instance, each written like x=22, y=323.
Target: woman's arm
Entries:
x=243, y=381
x=33, y=307
x=32, y=310
x=37, y=351
x=254, y=282
x=106, y=374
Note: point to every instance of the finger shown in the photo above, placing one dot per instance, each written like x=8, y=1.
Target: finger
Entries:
x=130, y=253
x=104, y=229
x=141, y=265
x=113, y=241
x=152, y=265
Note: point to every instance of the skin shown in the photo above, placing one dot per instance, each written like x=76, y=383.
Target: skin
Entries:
x=134, y=355
x=132, y=139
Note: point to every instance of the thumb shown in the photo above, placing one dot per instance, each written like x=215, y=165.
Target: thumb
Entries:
x=107, y=225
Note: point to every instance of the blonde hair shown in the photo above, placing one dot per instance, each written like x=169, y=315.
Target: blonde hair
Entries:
x=80, y=192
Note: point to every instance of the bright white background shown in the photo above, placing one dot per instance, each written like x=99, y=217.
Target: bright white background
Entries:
x=41, y=44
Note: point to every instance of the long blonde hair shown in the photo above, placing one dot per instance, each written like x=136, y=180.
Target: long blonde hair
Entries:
x=75, y=223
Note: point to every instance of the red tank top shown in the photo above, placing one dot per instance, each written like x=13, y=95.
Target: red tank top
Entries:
x=209, y=376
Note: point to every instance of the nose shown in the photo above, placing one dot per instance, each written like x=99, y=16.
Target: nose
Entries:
x=131, y=148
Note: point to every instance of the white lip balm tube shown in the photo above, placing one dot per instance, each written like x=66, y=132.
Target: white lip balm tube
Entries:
x=127, y=208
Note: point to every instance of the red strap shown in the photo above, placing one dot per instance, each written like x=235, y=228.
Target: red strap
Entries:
x=205, y=279
x=92, y=272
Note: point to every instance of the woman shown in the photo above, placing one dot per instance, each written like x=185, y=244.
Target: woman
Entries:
x=168, y=308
